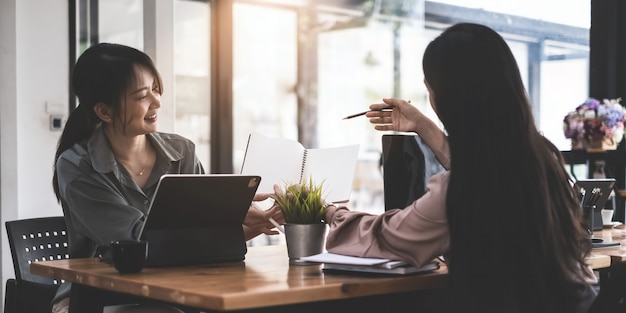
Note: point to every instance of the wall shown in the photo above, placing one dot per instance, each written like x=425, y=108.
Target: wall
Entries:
x=33, y=71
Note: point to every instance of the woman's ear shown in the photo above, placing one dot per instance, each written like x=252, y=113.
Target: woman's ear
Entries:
x=103, y=112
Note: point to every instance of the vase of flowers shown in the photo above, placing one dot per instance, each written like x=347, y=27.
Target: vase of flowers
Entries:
x=302, y=206
x=595, y=124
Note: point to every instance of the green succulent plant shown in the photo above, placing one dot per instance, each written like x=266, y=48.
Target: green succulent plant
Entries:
x=302, y=203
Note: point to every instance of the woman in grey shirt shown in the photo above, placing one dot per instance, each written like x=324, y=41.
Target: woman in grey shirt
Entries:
x=110, y=155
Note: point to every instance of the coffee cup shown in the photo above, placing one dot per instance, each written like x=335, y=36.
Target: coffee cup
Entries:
x=607, y=217
x=129, y=256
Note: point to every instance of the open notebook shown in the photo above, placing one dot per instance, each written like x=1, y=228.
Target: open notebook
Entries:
x=284, y=161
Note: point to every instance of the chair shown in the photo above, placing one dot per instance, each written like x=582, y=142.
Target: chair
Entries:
x=33, y=240
x=407, y=165
x=42, y=239
x=612, y=295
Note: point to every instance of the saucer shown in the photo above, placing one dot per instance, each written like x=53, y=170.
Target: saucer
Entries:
x=613, y=224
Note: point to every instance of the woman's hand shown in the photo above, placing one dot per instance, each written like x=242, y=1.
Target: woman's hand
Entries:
x=403, y=117
x=257, y=221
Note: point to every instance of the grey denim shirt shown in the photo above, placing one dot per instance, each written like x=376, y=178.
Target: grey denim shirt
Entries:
x=101, y=202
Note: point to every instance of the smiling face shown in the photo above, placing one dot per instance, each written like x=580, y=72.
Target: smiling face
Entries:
x=142, y=102
x=139, y=105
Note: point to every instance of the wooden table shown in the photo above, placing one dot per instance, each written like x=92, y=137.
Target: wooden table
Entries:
x=264, y=280
x=616, y=234
x=598, y=260
x=616, y=254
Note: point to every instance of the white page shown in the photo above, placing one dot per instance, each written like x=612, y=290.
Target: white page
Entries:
x=335, y=167
x=328, y=257
x=276, y=160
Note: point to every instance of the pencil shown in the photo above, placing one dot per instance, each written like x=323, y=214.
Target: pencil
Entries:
x=273, y=221
x=280, y=228
x=363, y=113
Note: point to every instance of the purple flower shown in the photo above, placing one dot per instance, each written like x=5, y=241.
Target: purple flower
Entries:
x=592, y=103
x=594, y=120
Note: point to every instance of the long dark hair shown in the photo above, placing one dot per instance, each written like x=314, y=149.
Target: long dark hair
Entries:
x=102, y=74
x=517, y=244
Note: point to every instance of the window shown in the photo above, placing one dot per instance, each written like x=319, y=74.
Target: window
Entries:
x=299, y=67
x=550, y=40
x=181, y=37
x=299, y=70
x=265, y=69
x=355, y=57
x=192, y=74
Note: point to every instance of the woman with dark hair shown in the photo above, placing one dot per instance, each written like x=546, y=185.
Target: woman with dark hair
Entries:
x=110, y=155
x=505, y=213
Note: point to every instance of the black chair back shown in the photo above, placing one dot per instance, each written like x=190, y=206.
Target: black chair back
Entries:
x=407, y=165
x=34, y=240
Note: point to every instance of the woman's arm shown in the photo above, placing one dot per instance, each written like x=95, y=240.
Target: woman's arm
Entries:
x=100, y=213
x=417, y=233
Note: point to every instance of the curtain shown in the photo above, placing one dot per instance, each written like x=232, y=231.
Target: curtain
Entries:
x=607, y=56
x=607, y=75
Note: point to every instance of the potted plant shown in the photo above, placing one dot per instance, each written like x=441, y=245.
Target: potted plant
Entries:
x=302, y=206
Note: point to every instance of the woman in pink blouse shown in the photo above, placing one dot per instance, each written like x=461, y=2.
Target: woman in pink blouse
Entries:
x=504, y=214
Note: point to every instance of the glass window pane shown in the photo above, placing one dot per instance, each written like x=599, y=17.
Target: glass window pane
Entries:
x=568, y=12
x=361, y=61
x=563, y=61
x=561, y=95
x=121, y=21
x=265, y=60
x=191, y=70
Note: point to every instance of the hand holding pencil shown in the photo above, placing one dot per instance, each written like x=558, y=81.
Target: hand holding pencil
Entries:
x=395, y=115
x=365, y=112
x=259, y=220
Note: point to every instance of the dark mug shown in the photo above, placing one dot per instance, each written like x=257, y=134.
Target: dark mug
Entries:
x=129, y=256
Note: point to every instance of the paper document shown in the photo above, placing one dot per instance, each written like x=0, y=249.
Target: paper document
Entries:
x=344, y=263
x=328, y=257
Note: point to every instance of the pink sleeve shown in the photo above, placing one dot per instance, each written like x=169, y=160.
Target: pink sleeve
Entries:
x=416, y=234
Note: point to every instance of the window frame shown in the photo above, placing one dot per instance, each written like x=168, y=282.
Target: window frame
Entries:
x=437, y=16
